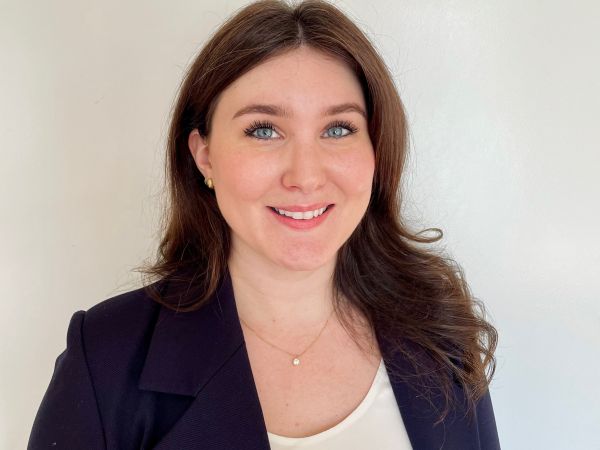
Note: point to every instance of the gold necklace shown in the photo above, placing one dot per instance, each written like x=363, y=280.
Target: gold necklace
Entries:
x=296, y=356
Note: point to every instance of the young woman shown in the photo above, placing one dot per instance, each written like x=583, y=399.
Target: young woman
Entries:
x=291, y=307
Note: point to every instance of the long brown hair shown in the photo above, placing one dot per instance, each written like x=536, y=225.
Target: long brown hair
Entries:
x=406, y=291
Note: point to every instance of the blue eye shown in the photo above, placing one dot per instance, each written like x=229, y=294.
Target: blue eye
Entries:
x=263, y=133
x=336, y=132
x=261, y=130
x=340, y=129
x=265, y=130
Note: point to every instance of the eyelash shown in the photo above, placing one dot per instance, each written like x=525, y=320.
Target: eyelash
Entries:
x=343, y=124
x=260, y=124
x=255, y=126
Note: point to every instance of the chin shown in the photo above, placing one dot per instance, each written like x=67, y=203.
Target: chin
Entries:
x=304, y=262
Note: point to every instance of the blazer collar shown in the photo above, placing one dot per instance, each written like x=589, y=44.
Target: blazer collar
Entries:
x=203, y=354
x=188, y=348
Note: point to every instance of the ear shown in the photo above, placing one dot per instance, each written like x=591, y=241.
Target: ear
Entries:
x=199, y=148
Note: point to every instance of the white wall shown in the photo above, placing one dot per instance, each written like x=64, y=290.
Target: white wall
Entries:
x=502, y=98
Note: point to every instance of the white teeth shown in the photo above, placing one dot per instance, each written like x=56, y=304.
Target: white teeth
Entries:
x=301, y=215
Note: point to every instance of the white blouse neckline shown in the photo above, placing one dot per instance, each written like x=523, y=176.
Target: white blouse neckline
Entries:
x=348, y=420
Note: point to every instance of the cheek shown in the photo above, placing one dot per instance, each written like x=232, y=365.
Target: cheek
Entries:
x=355, y=173
x=240, y=178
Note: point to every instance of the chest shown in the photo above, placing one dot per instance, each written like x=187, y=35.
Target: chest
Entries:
x=329, y=384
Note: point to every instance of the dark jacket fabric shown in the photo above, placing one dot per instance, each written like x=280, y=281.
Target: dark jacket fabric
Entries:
x=138, y=375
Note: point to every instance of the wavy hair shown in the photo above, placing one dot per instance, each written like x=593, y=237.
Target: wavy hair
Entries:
x=408, y=292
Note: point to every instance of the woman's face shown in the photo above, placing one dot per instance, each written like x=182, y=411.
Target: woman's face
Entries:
x=291, y=134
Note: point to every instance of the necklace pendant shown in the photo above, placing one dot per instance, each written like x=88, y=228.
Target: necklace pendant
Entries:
x=296, y=361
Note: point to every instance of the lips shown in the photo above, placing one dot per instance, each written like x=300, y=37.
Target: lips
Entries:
x=300, y=215
x=303, y=208
x=301, y=224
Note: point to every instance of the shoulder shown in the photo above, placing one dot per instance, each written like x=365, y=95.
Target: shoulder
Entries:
x=129, y=310
x=119, y=317
x=115, y=332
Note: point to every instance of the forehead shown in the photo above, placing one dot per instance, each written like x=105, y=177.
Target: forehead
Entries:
x=298, y=80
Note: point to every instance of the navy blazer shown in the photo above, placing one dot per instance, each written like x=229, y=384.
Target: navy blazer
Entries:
x=137, y=375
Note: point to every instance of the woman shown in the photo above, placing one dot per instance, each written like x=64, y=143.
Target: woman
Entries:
x=291, y=305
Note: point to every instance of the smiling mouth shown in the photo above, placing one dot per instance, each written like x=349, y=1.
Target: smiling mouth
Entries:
x=298, y=215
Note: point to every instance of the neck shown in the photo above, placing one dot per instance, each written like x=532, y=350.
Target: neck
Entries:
x=281, y=300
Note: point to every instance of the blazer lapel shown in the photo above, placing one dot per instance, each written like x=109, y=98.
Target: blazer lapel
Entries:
x=202, y=354
x=419, y=413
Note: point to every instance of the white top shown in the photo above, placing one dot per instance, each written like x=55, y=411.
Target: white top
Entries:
x=376, y=423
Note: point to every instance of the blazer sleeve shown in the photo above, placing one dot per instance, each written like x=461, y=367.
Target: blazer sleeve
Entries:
x=486, y=422
x=68, y=416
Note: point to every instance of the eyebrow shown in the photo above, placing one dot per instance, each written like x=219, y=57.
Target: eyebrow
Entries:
x=272, y=110
x=276, y=110
x=345, y=107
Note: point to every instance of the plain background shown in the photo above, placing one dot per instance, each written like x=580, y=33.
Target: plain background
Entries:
x=503, y=99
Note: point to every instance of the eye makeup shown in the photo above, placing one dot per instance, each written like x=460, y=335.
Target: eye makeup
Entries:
x=343, y=124
x=259, y=124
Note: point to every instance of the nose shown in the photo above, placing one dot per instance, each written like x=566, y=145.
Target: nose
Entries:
x=305, y=167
